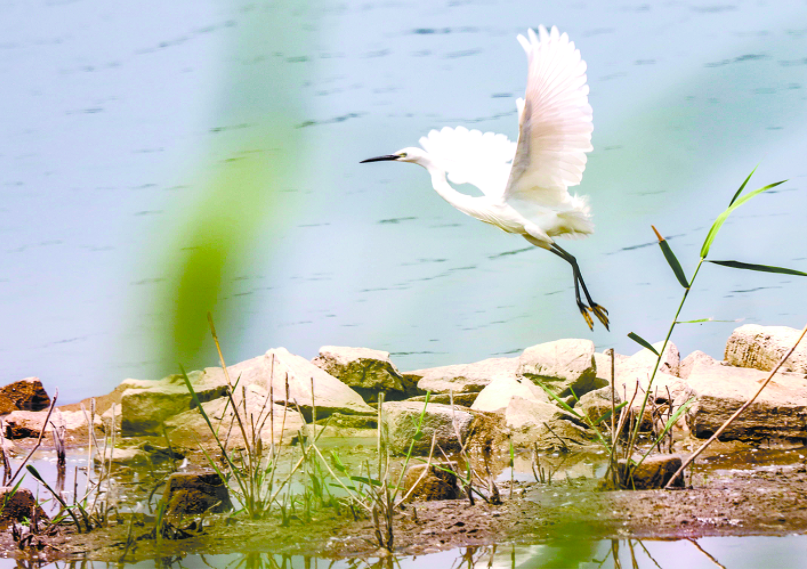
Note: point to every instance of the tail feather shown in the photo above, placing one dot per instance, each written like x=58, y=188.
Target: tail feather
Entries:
x=576, y=221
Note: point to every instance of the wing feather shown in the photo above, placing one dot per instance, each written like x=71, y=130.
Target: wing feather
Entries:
x=555, y=123
x=471, y=157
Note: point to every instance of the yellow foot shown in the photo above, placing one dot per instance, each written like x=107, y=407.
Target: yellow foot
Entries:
x=602, y=315
x=584, y=311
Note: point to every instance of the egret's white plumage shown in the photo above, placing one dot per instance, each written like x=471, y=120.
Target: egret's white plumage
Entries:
x=525, y=184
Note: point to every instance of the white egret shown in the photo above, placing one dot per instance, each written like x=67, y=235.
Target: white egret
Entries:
x=525, y=184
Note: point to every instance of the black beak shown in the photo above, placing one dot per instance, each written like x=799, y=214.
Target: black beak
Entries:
x=381, y=158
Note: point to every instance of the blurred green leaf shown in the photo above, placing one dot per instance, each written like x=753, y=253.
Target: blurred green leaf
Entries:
x=737, y=195
x=710, y=237
x=672, y=260
x=761, y=268
x=642, y=342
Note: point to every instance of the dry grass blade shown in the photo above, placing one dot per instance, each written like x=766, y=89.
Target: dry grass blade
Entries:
x=38, y=440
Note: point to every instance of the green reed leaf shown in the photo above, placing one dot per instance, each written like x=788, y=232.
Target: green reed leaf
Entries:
x=563, y=405
x=761, y=268
x=718, y=223
x=737, y=195
x=642, y=342
x=672, y=260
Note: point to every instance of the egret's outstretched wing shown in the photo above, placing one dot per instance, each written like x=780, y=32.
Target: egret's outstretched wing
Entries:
x=555, y=123
x=470, y=157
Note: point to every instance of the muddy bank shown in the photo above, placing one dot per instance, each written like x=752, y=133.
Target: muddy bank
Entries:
x=720, y=501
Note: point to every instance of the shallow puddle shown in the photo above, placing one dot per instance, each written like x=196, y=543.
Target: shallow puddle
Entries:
x=708, y=552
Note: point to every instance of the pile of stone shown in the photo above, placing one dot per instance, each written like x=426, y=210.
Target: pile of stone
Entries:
x=498, y=399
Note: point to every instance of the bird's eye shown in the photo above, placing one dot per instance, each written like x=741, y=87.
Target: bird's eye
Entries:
x=402, y=154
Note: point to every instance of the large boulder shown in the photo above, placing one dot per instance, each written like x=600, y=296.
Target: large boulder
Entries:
x=368, y=372
x=145, y=404
x=126, y=456
x=597, y=404
x=762, y=347
x=400, y=421
x=28, y=424
x=463, y=378
x=6, y=405
x=563, y=366
x=279, y=369
x=695, y=358
x=465, y=399
x=718, y=391
x=26, y=395
x=634, y=373
x=646, y=360
x=543, y=424
x=273, y=423
x=497, y=395
x=603, y=363
x=103, y=403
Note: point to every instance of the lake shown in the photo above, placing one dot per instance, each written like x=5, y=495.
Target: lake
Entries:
x=139, y=137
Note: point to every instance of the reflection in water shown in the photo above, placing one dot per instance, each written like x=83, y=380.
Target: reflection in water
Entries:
x=575, y=553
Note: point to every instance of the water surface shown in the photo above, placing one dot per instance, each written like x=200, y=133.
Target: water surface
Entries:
x=119, y=117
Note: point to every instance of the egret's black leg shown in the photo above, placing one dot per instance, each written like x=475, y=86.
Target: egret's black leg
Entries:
x=584, y=309
x=600, y=312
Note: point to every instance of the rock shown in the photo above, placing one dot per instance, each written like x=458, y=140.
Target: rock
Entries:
x=26, y=394
x=596, y=404
x=497, y=395
x=461, y=399
x=140, y=455
x=6, y=405
x=330, y=395
x=338, y=426
x=368, y=372
x=627, y=382
x=548, y=426
x=195, y=493
x=436, y=483
x=522, y=413
x=463, y=378
x=646, y=360
x=351, y=421
x=102, y=402
x=762, y=347
x=143, y=454
x=400, y=419
x=654, y=472
x=187, y=430
x=25, y=424
x=129, y=456
x=145, y=404
x=603, y=362
x=562, y=365
x=638, y=368
x=333, y=435
x=18, y=506
x=111, y=419
x=718, y=391
x=696, y=357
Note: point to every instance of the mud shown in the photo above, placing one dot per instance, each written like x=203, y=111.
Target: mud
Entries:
x=742, y=492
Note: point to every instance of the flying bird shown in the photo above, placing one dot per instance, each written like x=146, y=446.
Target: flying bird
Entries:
x=525, y=184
